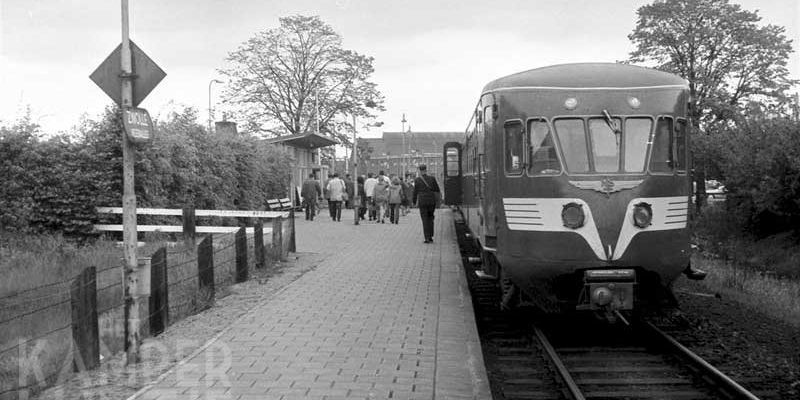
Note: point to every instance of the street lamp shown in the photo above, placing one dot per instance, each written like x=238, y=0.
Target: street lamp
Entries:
x=211, y=110
x=403, y=132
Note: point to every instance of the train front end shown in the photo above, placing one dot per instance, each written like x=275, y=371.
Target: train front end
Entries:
x=592, y=187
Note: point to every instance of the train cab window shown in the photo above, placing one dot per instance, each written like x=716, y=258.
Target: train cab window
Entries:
x=452, y=162
x=637, y=132
x=514, y=146
x=680, y=145
x=543, y=157
x=572, y=138
x=605, y=144
x=661, y=156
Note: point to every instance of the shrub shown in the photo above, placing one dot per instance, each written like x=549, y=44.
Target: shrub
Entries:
x=55, y=184
x=759, y=162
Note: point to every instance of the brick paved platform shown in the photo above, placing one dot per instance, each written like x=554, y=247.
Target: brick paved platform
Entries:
x=383, y=316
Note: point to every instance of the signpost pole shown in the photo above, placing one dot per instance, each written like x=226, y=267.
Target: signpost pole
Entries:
x=129, y=206
x=356, y=199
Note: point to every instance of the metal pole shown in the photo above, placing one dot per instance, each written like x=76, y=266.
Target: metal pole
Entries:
x=129, y=237
x=356, y=199
x=211, y=110
x=403, y=132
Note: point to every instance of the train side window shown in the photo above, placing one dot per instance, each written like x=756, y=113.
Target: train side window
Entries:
x=637, y=132
x=661, y=157
x=543, y=156
x=572, y=137
x=605, y=145
x=680, y=144
x=515, y=144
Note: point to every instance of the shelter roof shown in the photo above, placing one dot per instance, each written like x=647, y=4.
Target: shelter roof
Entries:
x=308, y=140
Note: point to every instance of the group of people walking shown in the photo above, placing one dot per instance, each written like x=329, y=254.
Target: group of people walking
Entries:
x=380, y=197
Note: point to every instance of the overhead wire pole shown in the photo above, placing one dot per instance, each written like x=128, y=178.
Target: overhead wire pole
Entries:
x=129, y=237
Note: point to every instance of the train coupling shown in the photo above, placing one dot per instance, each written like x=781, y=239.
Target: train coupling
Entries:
x=608, y=290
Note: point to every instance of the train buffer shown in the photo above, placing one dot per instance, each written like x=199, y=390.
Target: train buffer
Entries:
x=383, y=315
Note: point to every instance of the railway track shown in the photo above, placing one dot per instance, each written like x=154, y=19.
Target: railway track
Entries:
x=586, y=359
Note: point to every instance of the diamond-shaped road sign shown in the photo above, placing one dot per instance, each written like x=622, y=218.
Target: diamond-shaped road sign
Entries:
x=147, y=75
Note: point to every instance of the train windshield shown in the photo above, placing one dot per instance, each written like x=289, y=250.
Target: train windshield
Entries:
x=661, y=158
x=543, y=157
x=603, y=148
x=572, y=137
x=605, y=144
x=637, y=132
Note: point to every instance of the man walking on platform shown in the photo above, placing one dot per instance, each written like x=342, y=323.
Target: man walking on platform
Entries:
x=336, y=189
x=310, y=192
x=427, y=197
x=350, y=188
x=369, y=188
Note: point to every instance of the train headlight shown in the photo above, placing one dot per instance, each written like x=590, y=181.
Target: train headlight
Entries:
x=573, y=216
x=570, y=103
x=642, y=215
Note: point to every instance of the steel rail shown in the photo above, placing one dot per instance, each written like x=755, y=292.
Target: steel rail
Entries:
x=727, y=384
x=572, y=387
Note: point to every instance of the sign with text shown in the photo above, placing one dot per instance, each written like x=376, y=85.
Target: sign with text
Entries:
x=138, y=125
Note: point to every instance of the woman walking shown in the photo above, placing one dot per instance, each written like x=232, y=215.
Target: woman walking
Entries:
x=395, y=199
x=381, y=196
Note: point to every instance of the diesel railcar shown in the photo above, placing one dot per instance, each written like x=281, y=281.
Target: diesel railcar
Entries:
x=574, y=181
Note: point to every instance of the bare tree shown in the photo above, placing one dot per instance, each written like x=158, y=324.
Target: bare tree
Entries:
x=292, y=78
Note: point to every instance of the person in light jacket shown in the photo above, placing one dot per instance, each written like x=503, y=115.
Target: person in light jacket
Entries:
x=336, y=188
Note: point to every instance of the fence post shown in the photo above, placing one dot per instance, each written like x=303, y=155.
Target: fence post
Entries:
x=85, y=333
x=242, y=272
x=292, y=242
x=189, y=225
x=159, y=298
x=205, y=265
x=258, y=243
x=277, y=238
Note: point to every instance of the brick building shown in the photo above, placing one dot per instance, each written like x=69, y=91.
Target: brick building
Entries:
x=393, y=153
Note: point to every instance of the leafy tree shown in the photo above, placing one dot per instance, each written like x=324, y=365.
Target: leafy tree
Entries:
x=279, y=77
x=727, y=57
x=729, y=60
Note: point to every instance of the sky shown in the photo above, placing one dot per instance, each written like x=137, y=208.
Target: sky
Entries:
x=432, y=57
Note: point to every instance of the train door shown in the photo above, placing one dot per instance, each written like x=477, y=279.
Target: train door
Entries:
x=452, y=173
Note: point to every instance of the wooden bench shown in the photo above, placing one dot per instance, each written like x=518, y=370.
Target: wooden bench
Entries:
x=275, y=205
x=287, y=205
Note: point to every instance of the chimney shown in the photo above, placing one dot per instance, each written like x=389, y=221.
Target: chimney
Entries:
x=225, y=128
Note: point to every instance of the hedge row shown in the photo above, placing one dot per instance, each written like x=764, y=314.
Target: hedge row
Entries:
x=54, y=184
x=759, y=163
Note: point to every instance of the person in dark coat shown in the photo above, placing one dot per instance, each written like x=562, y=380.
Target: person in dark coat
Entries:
x=427, y=197
x=310, y=193
x=362, y=195
x=350, y=189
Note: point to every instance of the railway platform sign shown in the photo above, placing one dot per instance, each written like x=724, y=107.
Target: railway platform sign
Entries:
x=146, y=73
x=138, y=125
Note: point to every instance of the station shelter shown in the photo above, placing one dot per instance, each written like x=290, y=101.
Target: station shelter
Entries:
x=305, y=149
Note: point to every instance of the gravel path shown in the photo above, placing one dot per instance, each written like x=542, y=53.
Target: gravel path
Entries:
x=114, y=381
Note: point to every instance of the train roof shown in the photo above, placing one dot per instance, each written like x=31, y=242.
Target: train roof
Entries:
x=587, y=75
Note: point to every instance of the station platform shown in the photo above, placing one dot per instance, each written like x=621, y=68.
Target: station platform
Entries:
x=383, y=316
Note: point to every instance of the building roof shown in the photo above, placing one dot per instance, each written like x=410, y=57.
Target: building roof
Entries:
x=587, y=75
x=308, y=140
x=415, y=142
